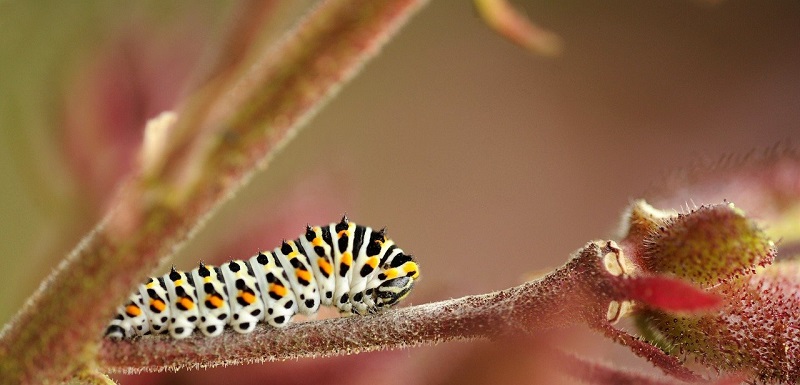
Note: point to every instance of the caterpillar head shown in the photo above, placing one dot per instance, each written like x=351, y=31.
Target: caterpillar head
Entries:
x=397, y=280
x=392, y=291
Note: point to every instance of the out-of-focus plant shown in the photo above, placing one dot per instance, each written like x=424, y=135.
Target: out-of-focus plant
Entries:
x=701, y=286
x=252, y=99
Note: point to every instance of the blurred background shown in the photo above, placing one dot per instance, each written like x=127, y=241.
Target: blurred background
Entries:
x=486, y=162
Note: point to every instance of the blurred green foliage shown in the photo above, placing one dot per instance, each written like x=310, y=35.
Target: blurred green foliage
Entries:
x=42, y=44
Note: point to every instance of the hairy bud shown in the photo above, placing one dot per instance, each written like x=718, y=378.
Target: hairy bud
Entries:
x=756, y=330
x=708, y=246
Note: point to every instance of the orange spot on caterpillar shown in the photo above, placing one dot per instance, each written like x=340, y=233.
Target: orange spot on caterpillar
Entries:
x=214, y=300
x=347, y=259
x=133, y=310
x=325, y=266
x=409, y=267
x=247, y=297
x=372, y=262
x=303, y=274
x=391, y=273
x=279, y=290
x=158, y=305
x=186, y=302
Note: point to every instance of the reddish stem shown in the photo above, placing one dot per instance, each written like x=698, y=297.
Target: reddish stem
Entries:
x=667, y=363
x=571, y=295
x=205, y=161
x=600, y=374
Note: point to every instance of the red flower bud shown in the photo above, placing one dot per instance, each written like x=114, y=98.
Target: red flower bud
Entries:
x=756, y=330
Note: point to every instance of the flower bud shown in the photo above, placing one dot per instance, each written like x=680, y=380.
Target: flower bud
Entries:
x=708, y=246
x=757, y=328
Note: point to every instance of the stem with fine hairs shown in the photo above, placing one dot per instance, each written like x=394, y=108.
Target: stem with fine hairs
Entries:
x=195, y=164
x=568, y=296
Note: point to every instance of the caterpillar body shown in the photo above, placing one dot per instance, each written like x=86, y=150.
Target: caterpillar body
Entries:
x=355, y=268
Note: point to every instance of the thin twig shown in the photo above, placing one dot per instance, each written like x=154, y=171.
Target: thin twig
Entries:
x=598, y=373
x=669, y=364
x=514, y=26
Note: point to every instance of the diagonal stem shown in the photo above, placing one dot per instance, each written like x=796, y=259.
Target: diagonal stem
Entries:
x=669, y=364
x=203, y=164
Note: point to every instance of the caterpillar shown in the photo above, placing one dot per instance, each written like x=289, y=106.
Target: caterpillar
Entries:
x=349, y=266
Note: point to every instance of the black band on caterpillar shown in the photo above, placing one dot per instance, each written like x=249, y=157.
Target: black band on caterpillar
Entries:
x=352, y=267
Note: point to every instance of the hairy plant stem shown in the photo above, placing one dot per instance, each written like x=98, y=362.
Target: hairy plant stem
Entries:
x=572, y=294
x=203, y=164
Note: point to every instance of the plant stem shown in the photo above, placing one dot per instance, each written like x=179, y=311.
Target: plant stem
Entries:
x=567, y=296
x=204, y=163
